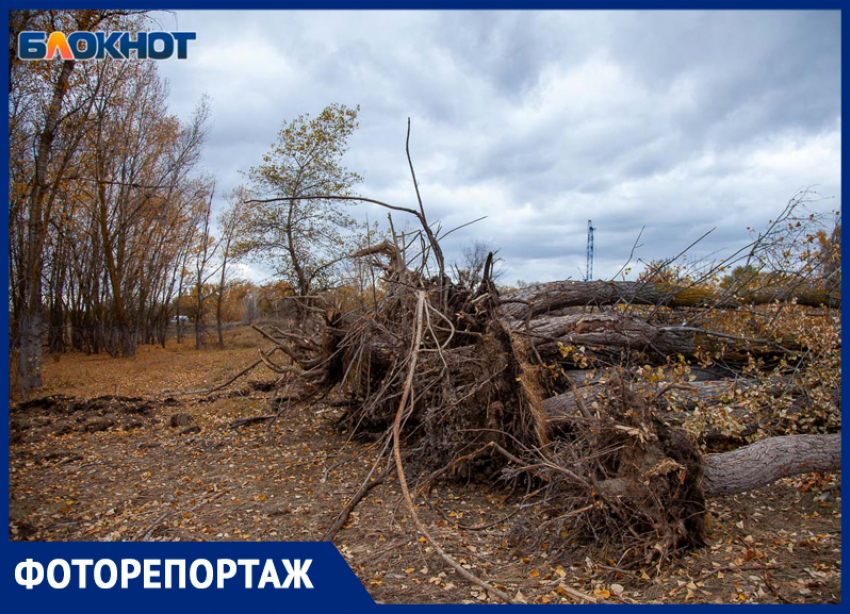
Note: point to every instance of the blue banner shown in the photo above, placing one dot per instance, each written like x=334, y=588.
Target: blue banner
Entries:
x=145, y=577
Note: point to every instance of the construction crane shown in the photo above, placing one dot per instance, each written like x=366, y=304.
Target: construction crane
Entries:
x=588, y=274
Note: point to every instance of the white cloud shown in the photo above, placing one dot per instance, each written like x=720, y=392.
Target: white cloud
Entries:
x=676, y=121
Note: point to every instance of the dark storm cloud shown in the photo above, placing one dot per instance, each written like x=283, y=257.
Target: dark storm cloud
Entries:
x=676, y=121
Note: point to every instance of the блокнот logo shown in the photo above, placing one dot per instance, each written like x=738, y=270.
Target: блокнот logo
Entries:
x=99, y=45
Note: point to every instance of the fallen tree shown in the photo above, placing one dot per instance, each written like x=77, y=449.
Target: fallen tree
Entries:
x=679, y=396
x=550, y=334
x=768, y=460
x=454, y=380
x=538, y=299
x=446, y=378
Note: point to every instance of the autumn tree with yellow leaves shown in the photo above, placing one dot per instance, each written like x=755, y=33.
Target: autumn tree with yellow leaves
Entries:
x=300, y=237
x=103, y=197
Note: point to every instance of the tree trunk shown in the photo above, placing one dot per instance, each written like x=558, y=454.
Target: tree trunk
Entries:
x=29, y=365
x=177, y=316
x=605, y=329
x=30, y=317
x=199, y=313
x=198, y=324
x=562, y=409
x=128, y=341
x=622, y=331
x=219, y=305
x=768, y=460
x=543, y=298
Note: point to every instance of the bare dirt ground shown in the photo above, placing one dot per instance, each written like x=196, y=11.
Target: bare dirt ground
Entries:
x=115, y=470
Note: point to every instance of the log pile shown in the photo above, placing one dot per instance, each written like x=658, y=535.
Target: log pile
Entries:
x=453, y=380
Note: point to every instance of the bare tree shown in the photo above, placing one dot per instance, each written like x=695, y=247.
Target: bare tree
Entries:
x=470, y=267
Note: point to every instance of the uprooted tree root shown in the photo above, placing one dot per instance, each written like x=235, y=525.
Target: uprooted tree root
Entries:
x=447, y=379
x=623, y=480
x=437, y=376
x=446, y=385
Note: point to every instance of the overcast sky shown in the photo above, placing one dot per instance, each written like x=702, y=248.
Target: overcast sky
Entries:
x=674, y=121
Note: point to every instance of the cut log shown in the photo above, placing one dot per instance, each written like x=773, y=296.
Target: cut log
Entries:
x=768, y=460
x=606, y=330
x=718, y=375
x=623, y=331
x=543, y=298
x=562, y=408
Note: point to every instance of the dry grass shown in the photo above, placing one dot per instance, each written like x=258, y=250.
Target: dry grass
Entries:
x=154, y=369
